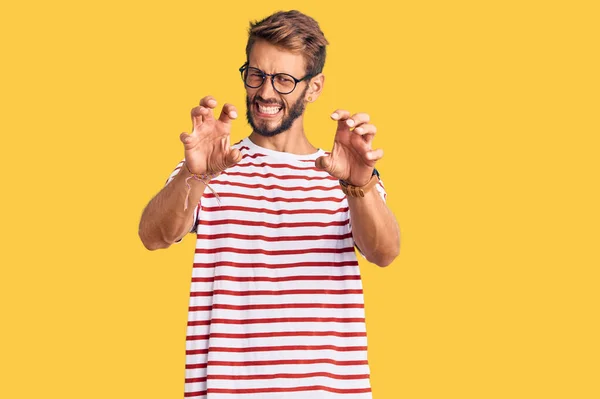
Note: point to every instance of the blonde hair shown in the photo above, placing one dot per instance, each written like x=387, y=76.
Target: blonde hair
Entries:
x=295, y=32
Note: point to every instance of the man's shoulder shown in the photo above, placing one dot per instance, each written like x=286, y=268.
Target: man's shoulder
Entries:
x=242, y=144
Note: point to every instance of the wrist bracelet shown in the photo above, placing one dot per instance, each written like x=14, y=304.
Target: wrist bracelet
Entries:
x=204, y=178
x=355, y=191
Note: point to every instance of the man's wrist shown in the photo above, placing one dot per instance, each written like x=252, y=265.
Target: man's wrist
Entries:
x=360, y=191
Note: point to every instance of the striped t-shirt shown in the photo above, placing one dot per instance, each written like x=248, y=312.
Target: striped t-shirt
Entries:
x=276, y=303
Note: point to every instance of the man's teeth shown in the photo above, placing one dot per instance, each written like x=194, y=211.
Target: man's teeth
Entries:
x=268, y=110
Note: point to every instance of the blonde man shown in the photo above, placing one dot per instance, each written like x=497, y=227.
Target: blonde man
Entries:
x=276, y=303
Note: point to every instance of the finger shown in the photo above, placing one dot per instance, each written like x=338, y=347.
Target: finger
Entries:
x=365, y=129
x=196, y=112
x=234, y=156
x=199, y=115
x=325, y=163
x=187, y=140
x=360, y=144
x=367, y=132
x=368, y=138
x=228, y=113
x=358, y=119
x=340, y=115
x=208, y=102
x=374, y=155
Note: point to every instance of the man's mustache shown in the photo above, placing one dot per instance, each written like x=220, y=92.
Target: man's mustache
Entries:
x=265, y=101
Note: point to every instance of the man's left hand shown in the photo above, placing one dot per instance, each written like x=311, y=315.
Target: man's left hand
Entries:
x=352, y=159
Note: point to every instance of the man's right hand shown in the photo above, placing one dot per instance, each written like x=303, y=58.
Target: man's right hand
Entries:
x=207, y=148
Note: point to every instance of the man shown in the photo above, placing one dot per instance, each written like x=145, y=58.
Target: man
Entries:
x=276, y=303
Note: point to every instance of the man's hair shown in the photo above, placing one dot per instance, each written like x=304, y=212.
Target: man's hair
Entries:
x=292, y=31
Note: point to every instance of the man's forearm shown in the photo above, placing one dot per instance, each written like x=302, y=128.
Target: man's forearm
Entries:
x=374, y=228
x=164, y=220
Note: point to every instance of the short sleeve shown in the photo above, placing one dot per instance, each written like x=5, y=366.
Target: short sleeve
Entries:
x=381, y=190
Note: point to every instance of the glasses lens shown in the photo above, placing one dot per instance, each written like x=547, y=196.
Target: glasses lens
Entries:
x=253, y=77
x=284, y=83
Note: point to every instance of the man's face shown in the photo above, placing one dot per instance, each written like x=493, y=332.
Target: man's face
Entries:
x=269, y=112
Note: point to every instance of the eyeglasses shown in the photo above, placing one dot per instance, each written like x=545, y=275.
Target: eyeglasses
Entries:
x=283, y=83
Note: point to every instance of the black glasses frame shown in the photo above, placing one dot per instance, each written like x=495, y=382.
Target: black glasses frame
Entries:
x=245, y=67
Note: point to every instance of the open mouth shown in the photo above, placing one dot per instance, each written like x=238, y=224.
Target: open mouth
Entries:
x=267, y=111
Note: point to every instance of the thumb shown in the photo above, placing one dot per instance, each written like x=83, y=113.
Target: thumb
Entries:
x=188, y=140
x=234, y=156
x=324, y=163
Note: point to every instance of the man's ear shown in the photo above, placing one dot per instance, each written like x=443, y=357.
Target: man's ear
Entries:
x=315, y=87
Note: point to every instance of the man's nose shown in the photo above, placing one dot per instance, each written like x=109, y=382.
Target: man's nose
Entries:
x=267, y=91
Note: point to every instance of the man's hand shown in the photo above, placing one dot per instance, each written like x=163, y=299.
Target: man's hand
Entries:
x=207, y=148
x=352, y=158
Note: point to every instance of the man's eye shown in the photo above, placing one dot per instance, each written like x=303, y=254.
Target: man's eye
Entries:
x=284, y=79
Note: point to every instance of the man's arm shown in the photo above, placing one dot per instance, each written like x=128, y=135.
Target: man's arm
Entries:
x=167, y=217
x=164, y=219
x=374, y=228
x=352, y=159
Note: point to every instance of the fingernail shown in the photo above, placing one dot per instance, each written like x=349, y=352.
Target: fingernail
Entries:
x=212, y=102
x=335, y=115
x=350, y=122
x=233, y=114
x=358, y=130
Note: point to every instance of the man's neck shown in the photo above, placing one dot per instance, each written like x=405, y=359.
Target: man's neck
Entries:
x=293, y=141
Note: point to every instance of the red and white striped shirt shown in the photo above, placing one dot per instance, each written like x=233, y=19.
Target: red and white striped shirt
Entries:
x=276, y=303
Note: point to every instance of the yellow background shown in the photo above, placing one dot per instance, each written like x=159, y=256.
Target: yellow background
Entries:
x=488, y=112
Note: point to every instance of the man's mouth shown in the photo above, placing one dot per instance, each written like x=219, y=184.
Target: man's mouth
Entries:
x=267, y=110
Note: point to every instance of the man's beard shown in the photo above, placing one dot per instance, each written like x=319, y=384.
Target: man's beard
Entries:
x=296, y=110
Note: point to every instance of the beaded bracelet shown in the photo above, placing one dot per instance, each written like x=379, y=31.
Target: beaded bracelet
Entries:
x=204, y=178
